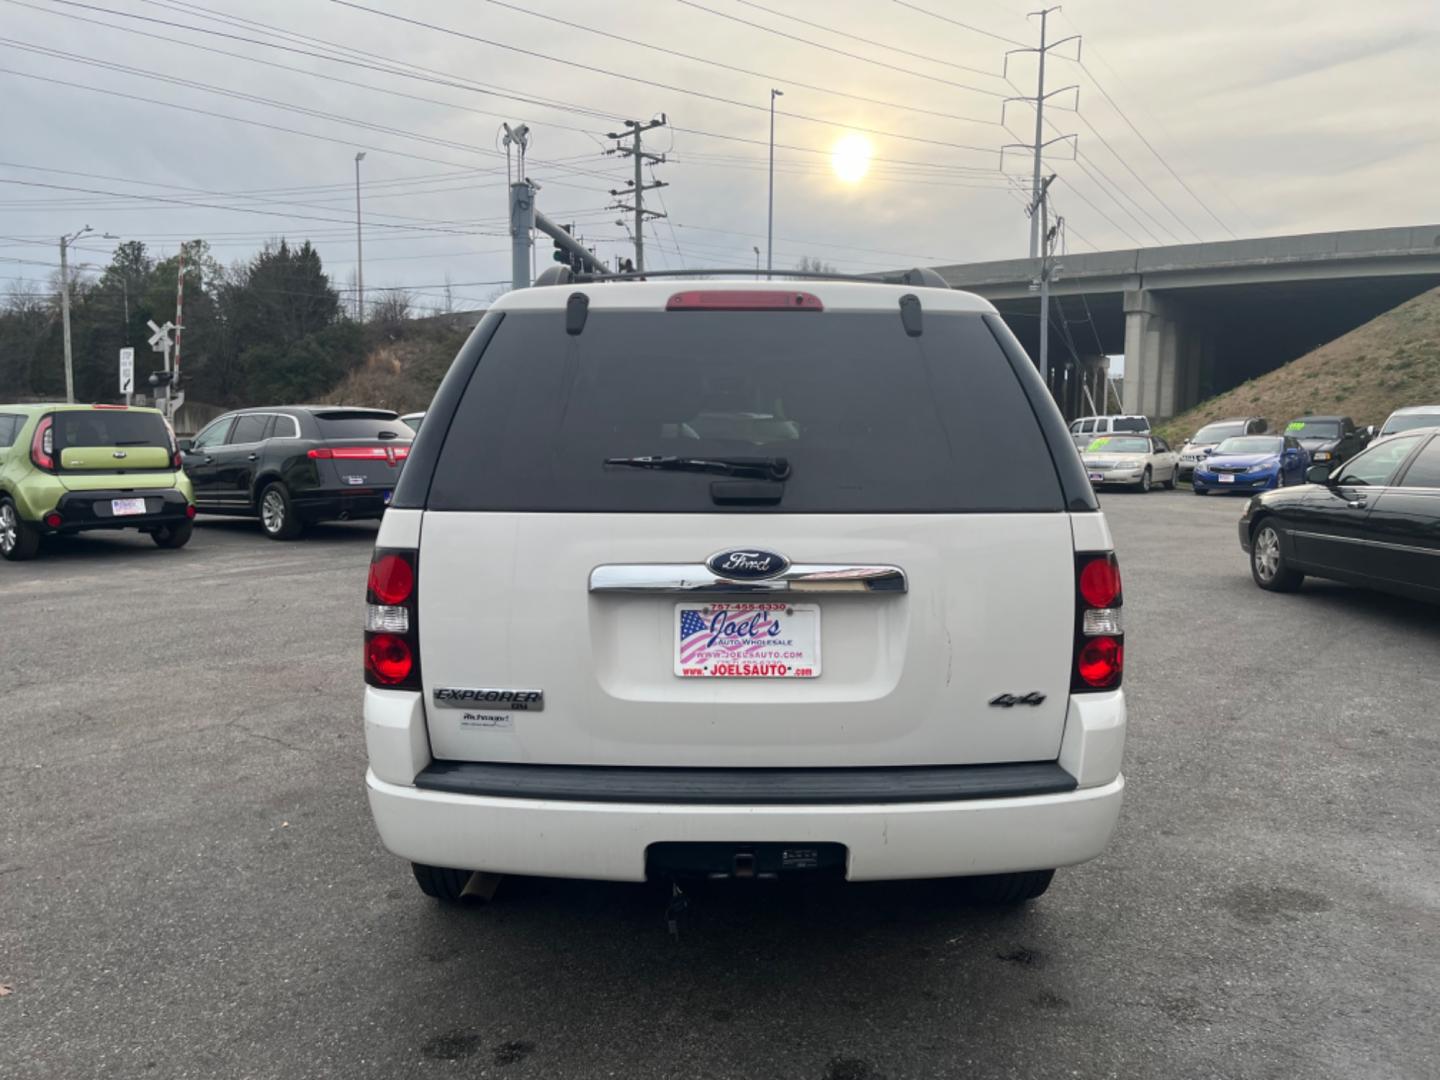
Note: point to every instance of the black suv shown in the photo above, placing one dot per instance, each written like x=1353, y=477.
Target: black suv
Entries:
x=294, y=465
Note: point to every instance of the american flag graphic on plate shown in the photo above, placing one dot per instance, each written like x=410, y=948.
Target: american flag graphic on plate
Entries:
x=760, y=640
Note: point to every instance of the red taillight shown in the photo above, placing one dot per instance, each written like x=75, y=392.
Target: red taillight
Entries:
x=388, y=658
x=743, y=300
x=190, y=511
x=391, y=579
x=54, y=520
x=1100, y=582
x=354, y=453
x=392, y=634
x=1099, y=631
x=1100, y=662
x=42, y=446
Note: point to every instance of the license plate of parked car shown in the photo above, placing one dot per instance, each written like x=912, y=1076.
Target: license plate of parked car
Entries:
x=1096, y=476
x=127, y=507
x=1226, y=479
x=760, y=640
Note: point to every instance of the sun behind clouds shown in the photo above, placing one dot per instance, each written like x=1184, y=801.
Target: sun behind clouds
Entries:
x=850, y=158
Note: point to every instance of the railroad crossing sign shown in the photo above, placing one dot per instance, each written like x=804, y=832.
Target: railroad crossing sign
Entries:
x=160, y=339
x=127, y=371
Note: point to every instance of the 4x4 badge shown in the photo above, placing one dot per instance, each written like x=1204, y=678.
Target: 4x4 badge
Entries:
x=1009, y=701
x=753, y=564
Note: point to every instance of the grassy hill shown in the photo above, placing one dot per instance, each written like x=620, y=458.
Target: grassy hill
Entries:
x=1392, y=360
x=403, y=372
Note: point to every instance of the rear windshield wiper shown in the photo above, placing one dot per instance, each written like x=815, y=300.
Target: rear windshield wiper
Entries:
x=768, y=468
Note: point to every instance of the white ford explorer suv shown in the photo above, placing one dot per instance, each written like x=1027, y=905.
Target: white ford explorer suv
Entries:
x=709, y=578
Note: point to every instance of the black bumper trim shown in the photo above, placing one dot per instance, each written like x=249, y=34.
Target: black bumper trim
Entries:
x=751, y=787
x=91, y=509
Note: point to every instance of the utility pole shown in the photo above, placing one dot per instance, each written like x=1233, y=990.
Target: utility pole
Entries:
x=522, y=206
x=1037, y=148
x=65, y=242
x=179, y=316
x=770, y=214
x=359, y=248
x=1039, y=212
x=636, y=188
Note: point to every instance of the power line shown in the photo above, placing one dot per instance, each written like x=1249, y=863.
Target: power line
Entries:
x=963, y=25
x=866, y=41
x=1128, y=168
x=828, y=48
x=444, y=78
x=785, y=80
x=667, y=86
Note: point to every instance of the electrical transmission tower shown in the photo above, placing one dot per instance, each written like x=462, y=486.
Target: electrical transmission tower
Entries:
x=636, y=188
x=1037, y=148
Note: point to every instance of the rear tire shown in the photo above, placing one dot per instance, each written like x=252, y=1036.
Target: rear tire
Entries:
x=173, y=536
x=1169, y=485
x=19, y=540
x=1267, y=562
x=440, y=882
x=277, y=513
x=1005, y=890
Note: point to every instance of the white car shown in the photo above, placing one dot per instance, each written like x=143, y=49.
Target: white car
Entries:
x=701, y=579
x=1409, y=418
x=1138, y=461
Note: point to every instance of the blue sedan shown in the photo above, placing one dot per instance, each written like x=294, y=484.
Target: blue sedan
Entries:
x=1252, y=463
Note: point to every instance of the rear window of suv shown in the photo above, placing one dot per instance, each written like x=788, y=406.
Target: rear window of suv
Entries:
x=107, y=427
x=869, y=419
x=356, y=424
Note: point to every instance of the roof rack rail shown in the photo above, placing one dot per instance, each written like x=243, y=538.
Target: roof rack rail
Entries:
x=920, y=276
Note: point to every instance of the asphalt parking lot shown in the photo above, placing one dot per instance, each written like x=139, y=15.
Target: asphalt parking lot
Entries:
x=190, y=884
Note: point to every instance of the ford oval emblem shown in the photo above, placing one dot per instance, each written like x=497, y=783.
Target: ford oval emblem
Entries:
x=753, y=564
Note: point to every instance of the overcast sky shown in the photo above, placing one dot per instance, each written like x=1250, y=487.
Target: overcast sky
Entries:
x=1280, y=116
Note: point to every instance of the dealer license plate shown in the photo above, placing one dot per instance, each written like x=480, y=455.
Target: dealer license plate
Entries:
x=1096, y=476
x=1227, y=478
x=127, y=507
x=760, y=640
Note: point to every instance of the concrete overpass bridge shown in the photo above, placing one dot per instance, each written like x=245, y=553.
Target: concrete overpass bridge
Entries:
x=1193, y=320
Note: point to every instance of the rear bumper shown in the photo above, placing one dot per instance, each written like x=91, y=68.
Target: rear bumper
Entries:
x=82, y=510
x=355, y=504
x=596, y=838
x=1115, y=476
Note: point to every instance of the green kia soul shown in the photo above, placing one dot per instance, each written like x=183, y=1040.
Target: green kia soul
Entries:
x=68, y=468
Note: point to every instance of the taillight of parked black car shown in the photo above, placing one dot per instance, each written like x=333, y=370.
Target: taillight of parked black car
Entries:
x=1099, y=628
x=392, y=633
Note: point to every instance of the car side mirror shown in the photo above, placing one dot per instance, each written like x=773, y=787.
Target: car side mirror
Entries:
x=184, y=445
x=1370, y=432
x=1317, y=474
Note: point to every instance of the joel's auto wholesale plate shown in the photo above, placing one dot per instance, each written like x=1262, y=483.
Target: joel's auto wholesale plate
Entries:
x=127, y=507
x=760, y=640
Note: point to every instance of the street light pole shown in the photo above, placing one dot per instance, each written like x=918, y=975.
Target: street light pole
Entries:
x=359, y=247
x=770, y=217
x=65, y=242
x=756, y=249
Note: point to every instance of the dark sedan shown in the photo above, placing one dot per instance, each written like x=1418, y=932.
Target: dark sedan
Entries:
x=291, y=466
x=1373, y=521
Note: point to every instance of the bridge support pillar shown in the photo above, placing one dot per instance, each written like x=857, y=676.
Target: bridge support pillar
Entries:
x=1163, y=357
